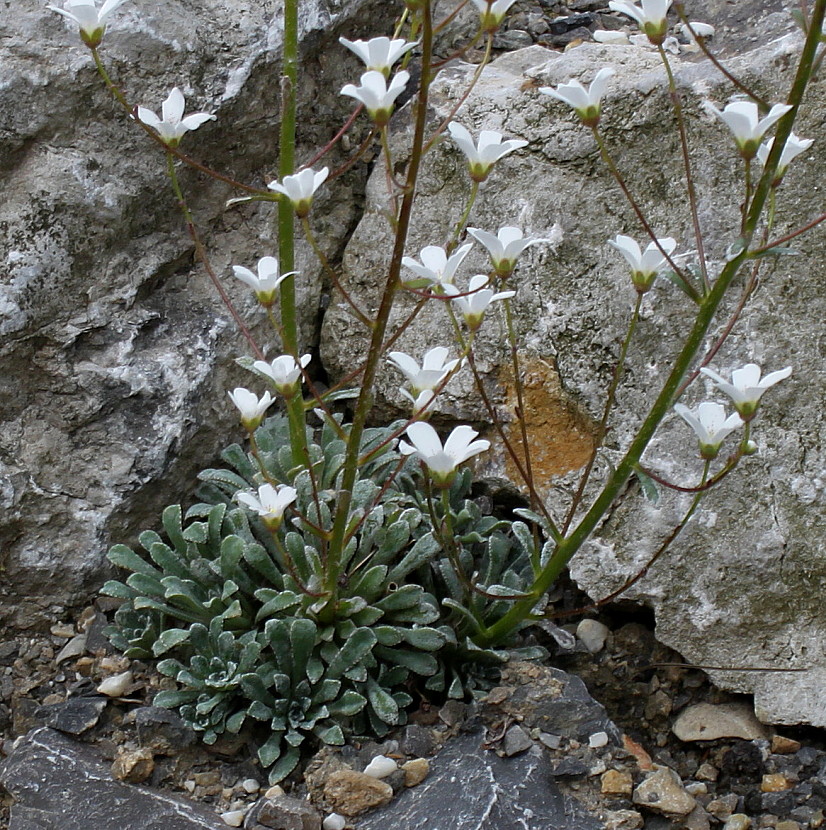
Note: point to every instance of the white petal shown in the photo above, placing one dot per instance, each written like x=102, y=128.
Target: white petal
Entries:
x=173, y=107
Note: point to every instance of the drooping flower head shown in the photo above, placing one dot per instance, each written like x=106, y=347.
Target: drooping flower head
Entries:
x=650, y=17
x=586, y=102
x=91, y=20
x=746, y=387
x=710, y=424
x=300, y=188
x=743, y=119
x=492, y=13
x=377, y=96
x=442, y=462
x=793, y=147
x=269, y=502
x=477, y=300
x=172, y=126
x=266, y=282
x=483, y=155
x=379, y=53
x=644, y=266
x=435, y=367
x=284, y=372
x=436, y=266
x=251, y=407
x=505, y=247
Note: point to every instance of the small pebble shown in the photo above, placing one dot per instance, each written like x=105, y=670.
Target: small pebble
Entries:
x=415, y=771
x=784, y=746
x=706, y=772
x=117, y=685
x=592, y=634
x=605, y=36
x=234, y=818
x=274, y=791
x=598, y=740
x=189, y=786
x=774, y=783
x=334, y=822
x=738, y=821
x=696, y=788
x=250, y=785
x=380, y=767
x=787, y=825
x=549, y=740
x=227, y=793
x=615, y=782
x=63, y=630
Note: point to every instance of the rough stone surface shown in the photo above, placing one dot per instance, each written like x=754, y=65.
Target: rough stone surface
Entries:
x=708, y=722
x=663, y=792
x=352, y=793
x=58, y=784
x=283, y=813
x=740, y=586
x=115, y=351
x=470, y=787
x=551, y=700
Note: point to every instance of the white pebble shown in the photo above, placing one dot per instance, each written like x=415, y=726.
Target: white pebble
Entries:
x=597, y=740
x=334, y=822
x=274, y=791
x=189, y=786
x=592, y=634
x=117, y=685
x=250, y=785
x=604, y=36
x=234, y=818
x=380, y=767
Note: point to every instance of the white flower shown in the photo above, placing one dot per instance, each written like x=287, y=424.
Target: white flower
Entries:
x=492, y=12
x=586, y=102
x=793, y=147
x=378, y=98
x=172, y=126
x=300, y=188
x=252, y=408
x=269, y=503
x=743, y=119
x=434, y=369
x=421, y=402
x=504, y=248
x=711, y=425
x=482, y=156
x=474, y=305
x=379, y=53
x=442, y=461
x=436, y=266
x=644, y=266
x=284, y=372
x=650, y=18
x=746, y=388
x=266, y=282
x=90, y=19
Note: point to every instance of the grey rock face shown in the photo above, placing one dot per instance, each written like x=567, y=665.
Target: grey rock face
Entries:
x=740, y=587
x=115, y=351
x=58, y=784
x=470, y=787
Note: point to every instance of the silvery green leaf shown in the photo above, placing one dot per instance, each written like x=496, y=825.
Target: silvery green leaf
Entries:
x=422, y=552
x=169, y=639
x=349, y=704
x=126, y=558
x=352, y=652
x=648, y=486
x=427, y=639
x=382, y=703
x=269, y=752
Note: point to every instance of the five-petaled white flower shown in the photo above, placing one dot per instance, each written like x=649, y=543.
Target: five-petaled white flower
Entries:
x=586, y=102
x=266, y=282
x=793, y=147
x=90, y=19
x=505, y=247
x=284, y=372
x=474, y=305
x=300, y=188
x=377, y=96
x=746, y=388
x=434, y=369
x=644, y=266
x=251, y=407
x=711, y=425
x=743, y=119
x=173, y=125
x=492, y=12
x=436, y=266
x=379, y=53
x=269, y=502
x=482, y=156
x=650, y=18
x=442, y=461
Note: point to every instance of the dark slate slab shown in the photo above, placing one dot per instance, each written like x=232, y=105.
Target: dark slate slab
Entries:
x=470, y=788
x=59, y=784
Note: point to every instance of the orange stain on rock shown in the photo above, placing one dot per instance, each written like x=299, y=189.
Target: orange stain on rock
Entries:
x=560, y=436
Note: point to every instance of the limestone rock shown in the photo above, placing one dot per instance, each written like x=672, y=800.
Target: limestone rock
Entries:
x=134, y=766
x=352, y=793
x=709, y=721
x=663, y=792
